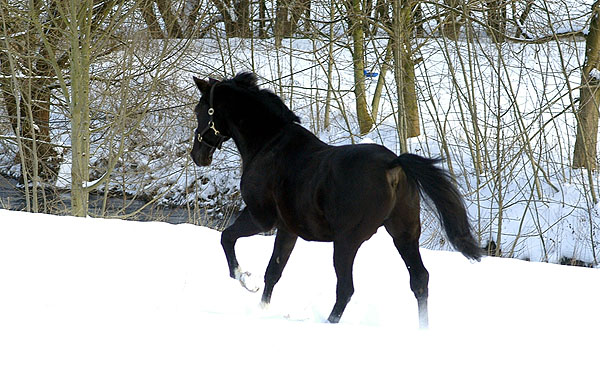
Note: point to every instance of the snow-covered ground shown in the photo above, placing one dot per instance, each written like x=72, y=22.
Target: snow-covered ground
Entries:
x=109, y=304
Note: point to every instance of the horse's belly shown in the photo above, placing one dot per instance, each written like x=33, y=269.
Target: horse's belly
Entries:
x=311, y=235
x=315, y=236
x=308, y=226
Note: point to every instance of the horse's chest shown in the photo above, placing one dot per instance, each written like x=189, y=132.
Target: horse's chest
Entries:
x=286, y=200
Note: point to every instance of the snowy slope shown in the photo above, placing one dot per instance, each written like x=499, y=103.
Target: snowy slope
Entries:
x=109, y=304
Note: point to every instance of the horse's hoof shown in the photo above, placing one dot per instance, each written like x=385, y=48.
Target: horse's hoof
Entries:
x=246, y=282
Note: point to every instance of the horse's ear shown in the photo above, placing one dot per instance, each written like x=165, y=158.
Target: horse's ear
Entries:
x=202, y=85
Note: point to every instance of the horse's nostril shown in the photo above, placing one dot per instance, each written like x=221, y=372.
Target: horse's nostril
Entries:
x=195, y=158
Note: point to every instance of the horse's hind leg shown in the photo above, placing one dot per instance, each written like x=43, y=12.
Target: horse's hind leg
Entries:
x=284, y=244
x=243, y=226
x=419, y=277
x=406, y=240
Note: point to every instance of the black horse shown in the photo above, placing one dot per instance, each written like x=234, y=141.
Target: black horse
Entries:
x=305, y=188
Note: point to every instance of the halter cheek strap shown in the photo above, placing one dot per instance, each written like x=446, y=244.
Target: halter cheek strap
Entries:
x=211, y=123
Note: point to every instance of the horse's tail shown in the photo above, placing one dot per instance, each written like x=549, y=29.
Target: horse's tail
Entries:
x=439, y=187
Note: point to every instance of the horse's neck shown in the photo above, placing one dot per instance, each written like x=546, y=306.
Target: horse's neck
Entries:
x=252, y=143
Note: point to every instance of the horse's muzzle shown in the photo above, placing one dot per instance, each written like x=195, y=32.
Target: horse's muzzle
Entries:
x=201, y=159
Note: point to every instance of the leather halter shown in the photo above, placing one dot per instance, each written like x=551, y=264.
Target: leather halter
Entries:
x=211, y=124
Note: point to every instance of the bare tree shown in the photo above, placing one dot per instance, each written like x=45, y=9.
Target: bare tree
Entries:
x=288, y=15
x=52, y=48
x=72, y=45
x=356, y=18
x=402, y=34
x=147, y=10
x=26, y=84
x=519, y=20
x=496, y=19
x=453, y=20
x=584, y=154
x=236, y=16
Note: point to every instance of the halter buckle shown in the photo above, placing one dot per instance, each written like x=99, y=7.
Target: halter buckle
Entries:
x=212, y=126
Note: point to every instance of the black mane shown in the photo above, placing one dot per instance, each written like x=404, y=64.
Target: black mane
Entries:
x=262, y=102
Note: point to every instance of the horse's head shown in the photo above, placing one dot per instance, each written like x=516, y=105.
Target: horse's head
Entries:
x=236, y=107
x=208, y=136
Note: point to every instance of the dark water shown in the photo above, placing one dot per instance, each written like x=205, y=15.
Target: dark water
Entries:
x=12, y=197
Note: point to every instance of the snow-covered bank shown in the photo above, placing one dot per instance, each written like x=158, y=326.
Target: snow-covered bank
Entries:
x=109, y=304
x=502, y=117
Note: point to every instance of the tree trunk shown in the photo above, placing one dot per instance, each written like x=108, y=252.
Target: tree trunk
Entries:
x=453, y=21
x=238, y=24
x=584, y=154
x=227, y=18
x=496, y=20
x=147, y=9
x=327, y=114
x=409, y=90
x=404, y=71
x=262, y=15
x=171, y=22
x=33, y=122
x=381, y=79
x=191, y=11
x=80, y=38
x=287, y=17
x=520, y=21
x=242, y=13
x=365, y=122
x=35, y=125
x=281, y=28
x=382, y=15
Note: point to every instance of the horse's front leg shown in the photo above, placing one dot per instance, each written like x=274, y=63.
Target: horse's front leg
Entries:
x=244, y=226
x=344, y=252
